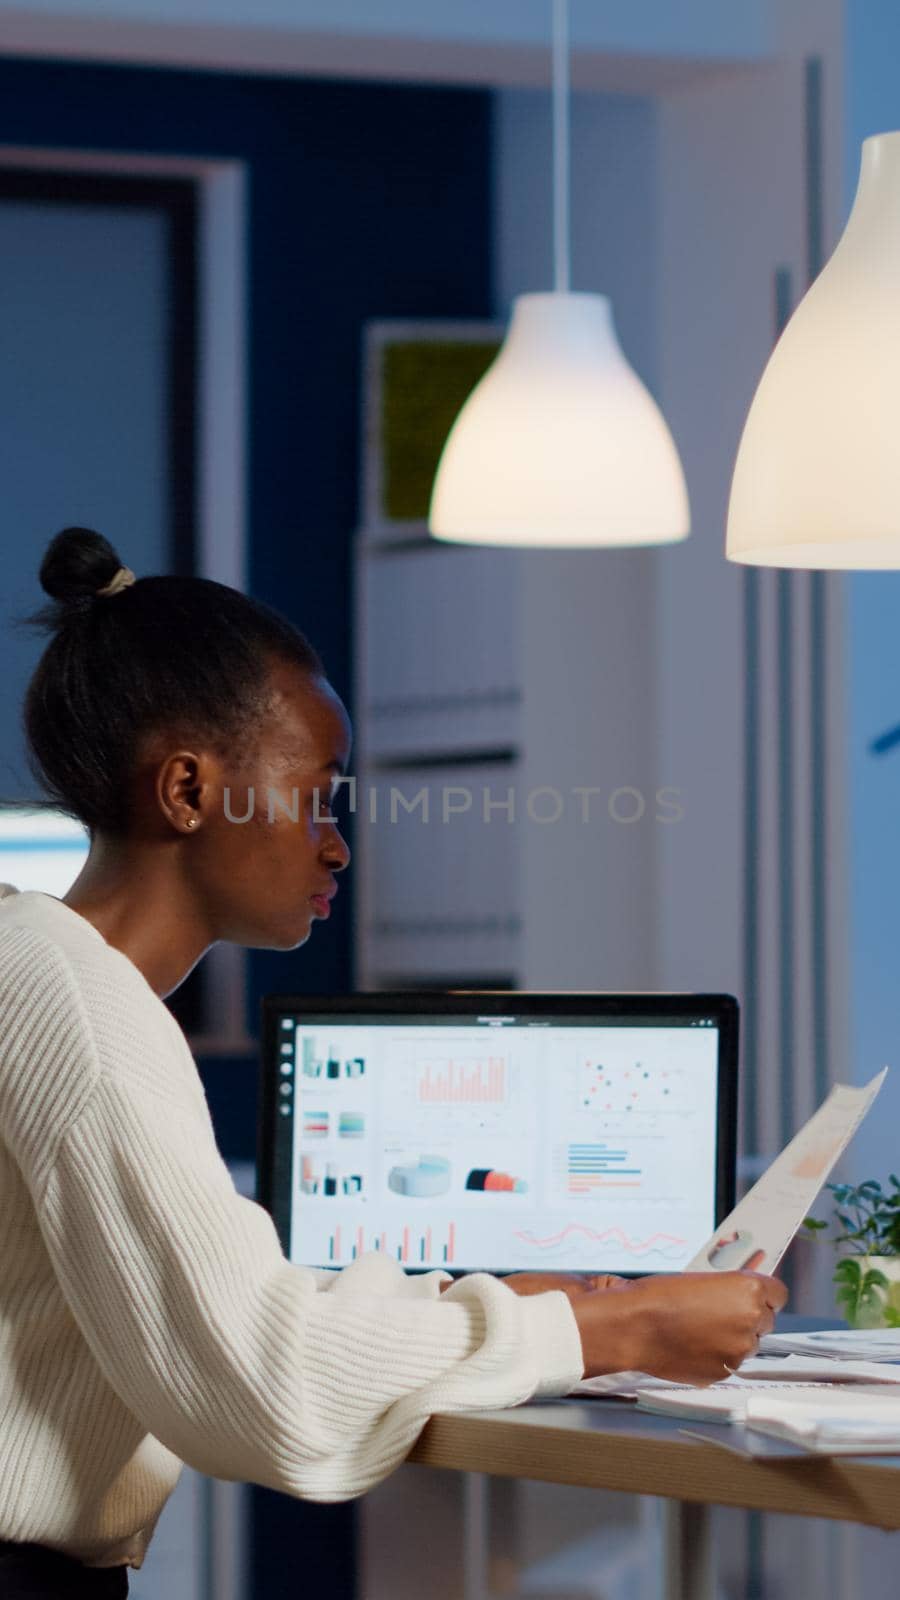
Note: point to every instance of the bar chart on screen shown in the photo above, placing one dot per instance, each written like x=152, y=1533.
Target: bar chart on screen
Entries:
x=593, y=1166
x=412, y=1245
x=461, y=1080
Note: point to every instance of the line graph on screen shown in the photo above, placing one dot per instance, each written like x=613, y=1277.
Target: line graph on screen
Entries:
x=662, y=1246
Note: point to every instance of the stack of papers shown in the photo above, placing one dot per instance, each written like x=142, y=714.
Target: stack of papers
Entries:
x=822, y=1371
x=846, y=1422
x=729, y=1401
x=841, y=1344
x=721, y=1404
x=834, y=1408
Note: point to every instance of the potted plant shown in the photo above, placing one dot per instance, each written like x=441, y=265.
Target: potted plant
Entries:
x=867, y=1274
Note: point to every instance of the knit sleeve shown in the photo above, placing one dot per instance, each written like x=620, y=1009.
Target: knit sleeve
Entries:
x=231, y=1355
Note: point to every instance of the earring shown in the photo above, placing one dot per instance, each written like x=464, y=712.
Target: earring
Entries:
x=192, y=822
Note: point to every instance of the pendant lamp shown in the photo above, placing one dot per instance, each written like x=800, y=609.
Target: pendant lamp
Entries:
x=560, y=444
x=817, y=477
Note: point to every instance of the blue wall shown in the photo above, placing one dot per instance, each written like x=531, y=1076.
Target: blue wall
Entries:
x=82, y=421
x=365, y=200
x=872, y=40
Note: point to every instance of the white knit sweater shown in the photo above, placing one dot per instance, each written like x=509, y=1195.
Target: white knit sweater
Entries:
x=148, y=1315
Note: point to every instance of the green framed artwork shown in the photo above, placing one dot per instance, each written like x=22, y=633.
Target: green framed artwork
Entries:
x=417, y=377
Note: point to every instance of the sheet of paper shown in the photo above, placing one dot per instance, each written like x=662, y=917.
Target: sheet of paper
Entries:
x=762, y=1225
x=779, y=1369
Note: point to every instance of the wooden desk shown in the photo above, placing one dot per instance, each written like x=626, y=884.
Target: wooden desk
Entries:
x=607, y=1444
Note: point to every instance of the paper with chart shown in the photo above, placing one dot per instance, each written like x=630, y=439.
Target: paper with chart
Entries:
x=757, y=1233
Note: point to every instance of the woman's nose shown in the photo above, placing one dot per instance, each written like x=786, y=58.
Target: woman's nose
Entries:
x=335, y=850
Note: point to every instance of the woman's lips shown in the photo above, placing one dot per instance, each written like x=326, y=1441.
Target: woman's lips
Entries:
x=322, y=904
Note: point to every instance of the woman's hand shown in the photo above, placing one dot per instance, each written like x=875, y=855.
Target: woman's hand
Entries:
x=689, y=1328
x=573, y=1284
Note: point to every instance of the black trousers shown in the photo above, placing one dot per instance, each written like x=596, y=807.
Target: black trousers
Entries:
x=32, y=1572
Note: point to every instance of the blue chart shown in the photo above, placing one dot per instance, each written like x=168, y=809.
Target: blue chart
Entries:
x=600, y=1166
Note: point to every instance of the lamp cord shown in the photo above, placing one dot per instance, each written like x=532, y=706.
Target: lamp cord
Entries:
x=561, y=271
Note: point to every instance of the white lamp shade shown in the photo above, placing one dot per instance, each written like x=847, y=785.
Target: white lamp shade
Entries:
x=560, y=443
x=817, y=478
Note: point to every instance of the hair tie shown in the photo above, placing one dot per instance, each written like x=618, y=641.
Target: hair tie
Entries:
x=121, y=580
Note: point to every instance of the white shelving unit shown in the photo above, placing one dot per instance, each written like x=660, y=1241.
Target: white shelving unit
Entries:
x=507, y=792
x=439, y=716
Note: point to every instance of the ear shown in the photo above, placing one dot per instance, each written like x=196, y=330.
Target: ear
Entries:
x=183, y=790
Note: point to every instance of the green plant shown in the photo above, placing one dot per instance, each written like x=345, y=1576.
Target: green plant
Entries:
x=869, y=1219
x=858, y=1297
x=874, y=1227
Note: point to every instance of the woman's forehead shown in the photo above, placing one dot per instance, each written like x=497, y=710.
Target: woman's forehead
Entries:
x=308, y=723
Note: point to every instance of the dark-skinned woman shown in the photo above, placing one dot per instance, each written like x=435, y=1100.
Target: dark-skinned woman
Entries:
x=148, y=1316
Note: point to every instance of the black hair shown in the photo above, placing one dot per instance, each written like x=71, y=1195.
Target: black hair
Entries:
x=162, y=652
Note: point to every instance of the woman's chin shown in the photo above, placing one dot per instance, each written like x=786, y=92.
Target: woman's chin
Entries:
x=296, y=936
x=287, y=934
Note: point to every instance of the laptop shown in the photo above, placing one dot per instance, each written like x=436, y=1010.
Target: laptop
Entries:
x=498, y=1131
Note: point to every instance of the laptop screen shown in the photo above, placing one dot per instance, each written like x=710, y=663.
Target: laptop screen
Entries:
x=499, y=1132
x=41, y=849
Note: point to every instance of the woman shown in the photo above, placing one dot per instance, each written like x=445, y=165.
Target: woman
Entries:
x=148, y=1316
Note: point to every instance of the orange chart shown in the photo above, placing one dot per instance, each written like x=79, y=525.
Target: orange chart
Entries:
x=474, y=1080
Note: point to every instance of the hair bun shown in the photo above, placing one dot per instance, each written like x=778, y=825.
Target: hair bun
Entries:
x=76, y=564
